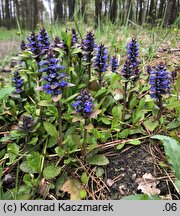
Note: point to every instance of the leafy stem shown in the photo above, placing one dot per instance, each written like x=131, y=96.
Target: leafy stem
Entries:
x=84, y=146
x=59, y=108
x=124, y=101
x=160, y=105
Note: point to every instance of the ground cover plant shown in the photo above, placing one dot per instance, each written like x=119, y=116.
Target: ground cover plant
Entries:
x=82, y=120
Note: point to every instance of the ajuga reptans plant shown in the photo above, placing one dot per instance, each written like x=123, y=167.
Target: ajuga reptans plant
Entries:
x=100, y=61
x=160, y=81
x=84, y=106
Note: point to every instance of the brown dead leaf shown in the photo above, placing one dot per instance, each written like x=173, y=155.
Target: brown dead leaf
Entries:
x=44, y=187
x=147, y=184
x=72, y=187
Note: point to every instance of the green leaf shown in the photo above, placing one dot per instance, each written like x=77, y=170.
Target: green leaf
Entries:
x=172, y=151
x=45, y=103
x=134, y=142
x=100, y=171
x=177, y=183
x=6, y=91
x=51, y=171
x=173, y=125
x=99, y=160
x=13, y=151
x=25, y=168
x=52, y=141
x=106, y=120
x=116, y=112
x=151, y=125
x=34, y=162
x=59, y=151
x=51, y=129
x=83, y=194
x=141, y=197
x=33, y=141
x=84, y=178
x=120, y=146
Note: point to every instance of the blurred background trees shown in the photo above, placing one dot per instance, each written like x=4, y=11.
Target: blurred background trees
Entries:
x=27, y=14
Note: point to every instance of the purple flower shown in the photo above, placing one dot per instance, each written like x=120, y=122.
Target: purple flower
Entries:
x=74, y=37
x=43, y=40
x=34, y=44
x=88, y=45
x=131, y=66
x=160, y=81
x=84, y=104
x=18, y=82
x=114, y=64
x=54, y=79
x=133, y=52
x=100, y=62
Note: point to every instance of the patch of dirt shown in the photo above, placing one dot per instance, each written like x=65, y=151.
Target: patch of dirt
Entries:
x=124, y=170
x=8, y=48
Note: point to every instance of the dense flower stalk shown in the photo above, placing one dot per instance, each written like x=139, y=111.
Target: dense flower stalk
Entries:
x=55, y=42
x=133, y=52
x=160, y=81
x=43, y=40
x=84, y=103
x=127, y=71
x=34, y=44
x=88, y=45
x=55, y=80
x=100, y=62
x=131, y=66
x=74, y=36
x=18, y=82
x=114, y=64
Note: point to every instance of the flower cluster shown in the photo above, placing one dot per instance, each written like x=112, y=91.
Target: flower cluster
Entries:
x=114, y=64
x=34, y=44
x=38, y=43
x=88, y=45
x=133, y=52
x=131, y=66
x=55, y=42
x=54, y=80
x=127, y=71
x=84, y=104
x=74, y=37
x=23, y=45
x=160, y=81
x=43, y=40
x=100, y=62
x=18, y=82
x=27, y=123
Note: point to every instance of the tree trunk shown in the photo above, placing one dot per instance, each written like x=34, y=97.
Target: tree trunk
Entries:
x=113, y=11
x=152, y=12
x=98, y=7
x=58, y=10
x=171, y=12
x=71, y=5
x=7, y=14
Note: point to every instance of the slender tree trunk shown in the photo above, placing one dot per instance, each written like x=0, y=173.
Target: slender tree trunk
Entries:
x=71, y=4
x=98, y=7
x=58, y=10
x=113, y=11
x=7, y=14
x=171, y=12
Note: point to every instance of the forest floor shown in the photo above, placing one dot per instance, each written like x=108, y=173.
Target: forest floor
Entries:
x=136, y=169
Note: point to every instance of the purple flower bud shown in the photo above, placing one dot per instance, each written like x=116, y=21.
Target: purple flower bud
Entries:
x=114, y=64
x=17, y=82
